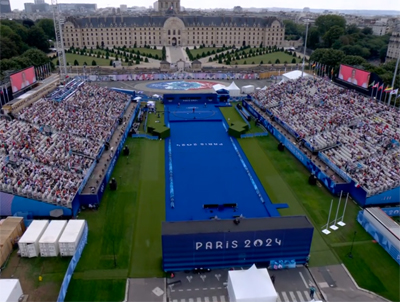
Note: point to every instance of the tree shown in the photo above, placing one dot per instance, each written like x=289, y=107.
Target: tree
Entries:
x=326, y=22
x=76, y=63
x=367, y=31
x=94, y=63
x=8, y=48
x=37, y=38
x=48, y=27
x=36, y=57
x=327, y=56
x=146, y=60
x=277, y=61
x=356, y=50
x=332, y=35
x=293, y=61
x=111, y=62
x=353, y=60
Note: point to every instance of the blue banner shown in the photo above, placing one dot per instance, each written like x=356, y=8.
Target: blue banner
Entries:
x=72, y=265
x=392, y=212
x=335, y=168
x=389, y=247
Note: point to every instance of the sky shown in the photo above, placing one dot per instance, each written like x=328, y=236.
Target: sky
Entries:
x=207, y=4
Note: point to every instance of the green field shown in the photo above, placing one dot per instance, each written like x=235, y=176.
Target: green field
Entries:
x=233, y=115
x=149, y=51
x=70, y=58
x=267, y=57
x=125, y=232
x=199, y=51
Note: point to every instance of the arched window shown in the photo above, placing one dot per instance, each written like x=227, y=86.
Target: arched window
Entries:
x=179, y=31
x=174, y=32
x=169, y=32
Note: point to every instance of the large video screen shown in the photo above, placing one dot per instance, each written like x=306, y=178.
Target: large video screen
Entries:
x=354, y=76
x=23, y=79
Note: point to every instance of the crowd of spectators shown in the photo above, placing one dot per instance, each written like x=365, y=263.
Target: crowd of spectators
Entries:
x=47, y=150
x=358, y=134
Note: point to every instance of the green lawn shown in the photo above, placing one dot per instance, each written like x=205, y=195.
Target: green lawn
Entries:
x=125, y=233
x=199, y=51
x=70, y=58
x=267, y=57
x=148, y=51
x=153, y=119
x=234, y=116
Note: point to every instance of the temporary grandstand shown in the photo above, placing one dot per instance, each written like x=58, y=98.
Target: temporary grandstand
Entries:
x=355, y=136
x=49, y=151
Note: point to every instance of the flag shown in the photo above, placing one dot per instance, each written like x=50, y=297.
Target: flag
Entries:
x=394, y=91
x=372, y=84
x=376, y=85
x=388, y=89
x=332, y=71
x=381, y=87
x=313, y=65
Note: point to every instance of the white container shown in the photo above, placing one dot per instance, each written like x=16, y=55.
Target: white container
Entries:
x=10, y=291
x=69, y=239
x=29, y=242
x=48, y=243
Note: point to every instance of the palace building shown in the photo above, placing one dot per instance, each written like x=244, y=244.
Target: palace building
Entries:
x=172, y=29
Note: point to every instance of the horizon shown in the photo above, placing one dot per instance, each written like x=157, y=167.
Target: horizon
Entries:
x=359, y=5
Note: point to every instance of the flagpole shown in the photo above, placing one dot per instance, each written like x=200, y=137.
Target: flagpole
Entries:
x=377, y=89
x=394, y=76
x=305, y=48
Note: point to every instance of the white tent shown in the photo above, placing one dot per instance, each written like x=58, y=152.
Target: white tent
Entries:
x=218, y=87
x=293, y=75
x=233, y=89
x=248, y=89
x=252, y=285
x=264, y=88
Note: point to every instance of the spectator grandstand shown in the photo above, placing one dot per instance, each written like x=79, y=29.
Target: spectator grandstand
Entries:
x=46, y=152
x=356, y=133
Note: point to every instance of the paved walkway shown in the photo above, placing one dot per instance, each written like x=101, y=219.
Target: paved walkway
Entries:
x=175, y=53
x=336, y=284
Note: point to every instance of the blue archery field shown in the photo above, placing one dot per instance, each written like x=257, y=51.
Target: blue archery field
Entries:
x=206, y=169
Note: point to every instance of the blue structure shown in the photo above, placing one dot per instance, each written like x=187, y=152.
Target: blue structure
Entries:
x=229, y=243
x=192, y=98
x=351, y=187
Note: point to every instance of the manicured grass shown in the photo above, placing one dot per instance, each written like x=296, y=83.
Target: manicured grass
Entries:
x=286, y=181
x=125, y=232
x=199, y=51
x=100, y=290
x=147, y=51
x=372, y=268
x=153, y=120
x=267, y=57
x=70, y=58
x=234, y=116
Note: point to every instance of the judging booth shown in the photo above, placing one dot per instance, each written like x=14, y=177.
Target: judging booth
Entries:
x=251, y=285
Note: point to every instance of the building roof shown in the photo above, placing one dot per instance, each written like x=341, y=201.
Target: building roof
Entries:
x=158, y=21
x=196, y=62
x=227, y=225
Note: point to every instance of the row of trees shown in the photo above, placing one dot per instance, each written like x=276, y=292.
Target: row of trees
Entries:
x=23, y=43
x=206, y=53
x=331, y=31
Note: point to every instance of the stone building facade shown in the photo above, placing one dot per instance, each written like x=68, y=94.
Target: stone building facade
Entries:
x=172, y=30
x=393, y=51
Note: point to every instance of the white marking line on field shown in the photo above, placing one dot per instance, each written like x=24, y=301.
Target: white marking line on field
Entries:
x=197, y=289
x=189, y=290
x=205, y=288
x=304, y=280
x=212, y=287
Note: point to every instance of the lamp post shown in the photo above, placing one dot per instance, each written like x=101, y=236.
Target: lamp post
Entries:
x=394, y=79
x=305, y=48
x=350, y=254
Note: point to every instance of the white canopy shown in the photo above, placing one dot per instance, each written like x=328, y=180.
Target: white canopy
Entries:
x=218, y=87
x=233, y=89
x=252, y=285
x=294, y=75
x=264, y=88
x=248, y=89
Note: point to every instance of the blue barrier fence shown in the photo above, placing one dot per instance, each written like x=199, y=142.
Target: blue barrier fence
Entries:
x=388, y=246
x=72, y=265
x=145, y=136
x=335, y=168
x=244, y=118
x=247, y=135
x=392, y=212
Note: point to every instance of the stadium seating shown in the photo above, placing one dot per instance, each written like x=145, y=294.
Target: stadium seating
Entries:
x=358, y=134
x=46, y=151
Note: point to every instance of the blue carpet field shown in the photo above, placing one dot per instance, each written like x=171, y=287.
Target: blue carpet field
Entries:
x=206, y=166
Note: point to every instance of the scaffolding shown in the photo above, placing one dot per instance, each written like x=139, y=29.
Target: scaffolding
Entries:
x=59, y=44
